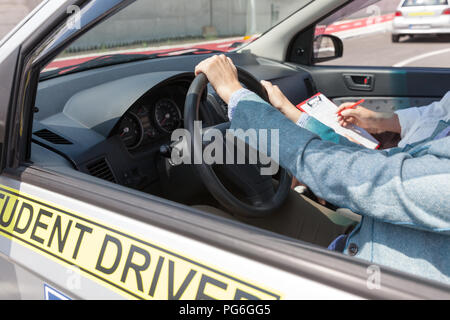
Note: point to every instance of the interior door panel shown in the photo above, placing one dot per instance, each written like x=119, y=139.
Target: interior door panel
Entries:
x=384, y=89
x=387, y=104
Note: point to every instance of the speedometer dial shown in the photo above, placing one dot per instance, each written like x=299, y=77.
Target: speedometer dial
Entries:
x=131, y=131
x=167, y=115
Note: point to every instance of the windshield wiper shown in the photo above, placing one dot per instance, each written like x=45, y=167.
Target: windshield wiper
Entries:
x=113, y=59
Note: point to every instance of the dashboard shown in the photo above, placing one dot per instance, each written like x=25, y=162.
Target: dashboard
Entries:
x=153, y=118
x=111, y=122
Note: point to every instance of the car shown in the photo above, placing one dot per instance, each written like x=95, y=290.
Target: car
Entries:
x=93, y=205
x=421, y=17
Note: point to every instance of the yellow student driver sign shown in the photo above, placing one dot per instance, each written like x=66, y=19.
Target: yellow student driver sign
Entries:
x=126, y=264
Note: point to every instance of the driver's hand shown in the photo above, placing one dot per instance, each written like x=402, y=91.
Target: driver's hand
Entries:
x=281, y=102
x=222, y=74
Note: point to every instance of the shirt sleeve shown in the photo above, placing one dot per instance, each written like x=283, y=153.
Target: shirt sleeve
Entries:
x=395, y=188
x=305, y=121
x=407, y=118
x=418, y=123
x=234, y=100
x=323, y=131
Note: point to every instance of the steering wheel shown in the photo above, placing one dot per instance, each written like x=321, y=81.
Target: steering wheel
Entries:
x=257, y=194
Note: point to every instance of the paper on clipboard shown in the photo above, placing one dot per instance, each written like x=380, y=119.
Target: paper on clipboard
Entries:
x=324, y=110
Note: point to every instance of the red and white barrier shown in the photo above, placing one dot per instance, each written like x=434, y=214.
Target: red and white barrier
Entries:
x=356, y=25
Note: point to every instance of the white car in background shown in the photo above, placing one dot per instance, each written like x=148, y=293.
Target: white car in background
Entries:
x=419, y=17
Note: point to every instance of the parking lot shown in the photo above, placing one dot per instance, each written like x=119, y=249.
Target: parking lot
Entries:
x=374, y=49
x=378, y=50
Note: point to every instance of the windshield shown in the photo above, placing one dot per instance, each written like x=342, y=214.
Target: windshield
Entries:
x=172, y=27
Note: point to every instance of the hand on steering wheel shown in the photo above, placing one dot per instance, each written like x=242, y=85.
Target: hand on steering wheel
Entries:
x=222, y=74
x=258, y=195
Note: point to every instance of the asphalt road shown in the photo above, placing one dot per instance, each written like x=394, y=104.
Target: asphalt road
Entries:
x=378, y=50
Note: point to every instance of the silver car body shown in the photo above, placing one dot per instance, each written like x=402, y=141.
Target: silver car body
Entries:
x=422, y=17
x=97, y=218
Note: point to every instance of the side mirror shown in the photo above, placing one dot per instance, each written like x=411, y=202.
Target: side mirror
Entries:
x=327, y=47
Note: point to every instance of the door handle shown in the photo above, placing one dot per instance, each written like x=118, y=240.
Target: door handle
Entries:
x=360, y=82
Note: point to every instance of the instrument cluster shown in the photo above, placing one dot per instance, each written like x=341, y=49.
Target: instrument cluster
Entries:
x=153, y=117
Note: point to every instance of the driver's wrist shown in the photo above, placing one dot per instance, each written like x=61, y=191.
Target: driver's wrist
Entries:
x=227, y=91
x=291, y=112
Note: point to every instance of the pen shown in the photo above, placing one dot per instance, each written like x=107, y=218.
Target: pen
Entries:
x=352, y=106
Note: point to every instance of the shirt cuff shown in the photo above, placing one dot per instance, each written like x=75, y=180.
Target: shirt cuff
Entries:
x=303, y=120
x=234, y=100
x=407, y=118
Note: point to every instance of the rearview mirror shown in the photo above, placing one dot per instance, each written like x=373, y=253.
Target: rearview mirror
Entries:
x=327, y=47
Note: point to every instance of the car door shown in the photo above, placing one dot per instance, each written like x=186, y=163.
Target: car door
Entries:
x=384, y=89
x=65, y=236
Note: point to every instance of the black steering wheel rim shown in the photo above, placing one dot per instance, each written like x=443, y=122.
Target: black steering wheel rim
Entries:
x=206, y=172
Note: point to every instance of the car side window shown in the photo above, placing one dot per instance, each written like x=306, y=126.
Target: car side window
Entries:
x=386, y=33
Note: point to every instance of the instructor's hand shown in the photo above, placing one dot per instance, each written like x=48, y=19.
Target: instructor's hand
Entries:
x=373, y=122
x=222, y=74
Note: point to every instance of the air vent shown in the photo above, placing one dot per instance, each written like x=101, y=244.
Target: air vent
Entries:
x=101, y=169
x=51, y=137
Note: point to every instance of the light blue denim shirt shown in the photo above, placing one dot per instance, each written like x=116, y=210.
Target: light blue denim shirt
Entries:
x=305, y=121
x=403, y=194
